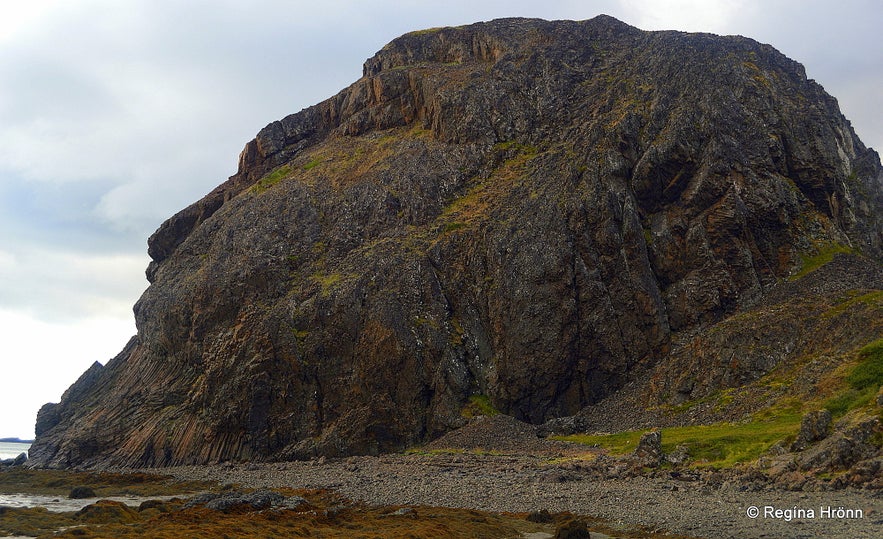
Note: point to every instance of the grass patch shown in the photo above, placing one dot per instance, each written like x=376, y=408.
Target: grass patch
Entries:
x=272, y=178
x=720, y=445
x=871, y=299
x=826, y=253
x=868, y=373
x=862, y=382
x=313, y=163
x=479, y=405
x=327, y=281
x=452, y=227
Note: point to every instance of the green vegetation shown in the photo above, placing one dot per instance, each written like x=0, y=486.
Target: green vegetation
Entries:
x=426, y=31
x=451, y=227
x=60, y=483
x=327, y=280
x=870, y=299
x=479, y=405
x=862, y=382
x=719, y=445
x=868, y=373
x=272, y=178
x=826, y=253
x=312, y=163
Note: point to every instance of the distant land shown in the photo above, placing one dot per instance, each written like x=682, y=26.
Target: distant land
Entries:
x=16, y=441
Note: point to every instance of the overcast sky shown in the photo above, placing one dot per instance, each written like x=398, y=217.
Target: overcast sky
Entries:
x=115, y=114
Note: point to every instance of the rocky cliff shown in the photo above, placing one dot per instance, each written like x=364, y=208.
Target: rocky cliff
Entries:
x=519, y=211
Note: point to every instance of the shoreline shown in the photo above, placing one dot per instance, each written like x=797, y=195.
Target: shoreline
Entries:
x=698, y=507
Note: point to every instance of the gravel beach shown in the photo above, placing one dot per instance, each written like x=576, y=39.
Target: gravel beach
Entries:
x=695, y=508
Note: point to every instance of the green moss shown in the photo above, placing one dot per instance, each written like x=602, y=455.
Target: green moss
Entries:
x=313, y=163
x=327, y=281
x=825, y=254
x=870, y=299
x=861, y=383
x=427, y=31
x=479, y=405
x=451, y=227
x=868, y=373
x=272, y=179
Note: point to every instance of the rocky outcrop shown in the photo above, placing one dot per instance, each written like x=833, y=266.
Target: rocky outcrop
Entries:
x=521, y=209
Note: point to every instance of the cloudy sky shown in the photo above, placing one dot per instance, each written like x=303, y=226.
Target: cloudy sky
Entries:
x=115, y=114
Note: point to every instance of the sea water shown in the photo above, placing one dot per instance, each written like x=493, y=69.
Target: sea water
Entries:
x=10, y=450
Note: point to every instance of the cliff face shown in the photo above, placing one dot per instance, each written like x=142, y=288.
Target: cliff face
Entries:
x=520, y=209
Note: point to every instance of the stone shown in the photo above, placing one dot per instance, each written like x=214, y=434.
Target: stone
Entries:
x=20, y=460
x=649, y=449
x=256, y=500
x=573, y=529
x=681, y=455
x=81, y=492
x=543, y=516
x=848, y=445
x=813, y=427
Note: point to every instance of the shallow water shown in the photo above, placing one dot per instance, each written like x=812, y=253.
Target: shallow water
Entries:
x=10, y=450
x=60, y=504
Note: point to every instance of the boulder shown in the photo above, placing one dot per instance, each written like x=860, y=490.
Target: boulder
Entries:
x=649, y=449
x=81, y=492
x=813, y=427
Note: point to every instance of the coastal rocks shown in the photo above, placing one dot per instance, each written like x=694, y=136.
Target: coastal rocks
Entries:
x=107, y=512
x=813, y=427
x=649, y=449
x=573, y=529
x=521, y=213
x=79, y=493
x=256, y=500
x=20, y=460
x=848, y=445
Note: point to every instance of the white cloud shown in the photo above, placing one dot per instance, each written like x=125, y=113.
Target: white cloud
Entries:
x=41, y=360
x=19, y=16
x=684, y=15
x=67, y=286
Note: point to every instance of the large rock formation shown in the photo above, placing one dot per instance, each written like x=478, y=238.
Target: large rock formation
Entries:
x=521, y=209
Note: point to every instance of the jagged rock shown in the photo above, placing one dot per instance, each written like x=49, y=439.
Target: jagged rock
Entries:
x=543, y=516
x=520, y=209
x=20, y=460
x=845, y=447
x=573, y=529
x=649, y=449
x=81, y=492
x=813, y=427
x=681, y=455
x=867, y=473
x=256, y=500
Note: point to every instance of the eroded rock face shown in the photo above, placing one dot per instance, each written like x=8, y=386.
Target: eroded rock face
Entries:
x=518, y=209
